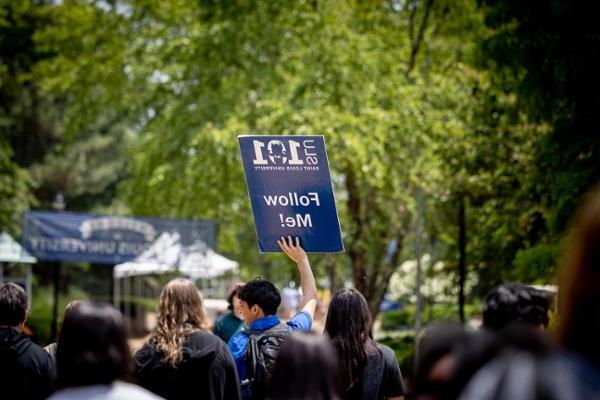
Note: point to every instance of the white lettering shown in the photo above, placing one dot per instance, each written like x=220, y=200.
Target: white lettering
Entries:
x=304, y=200
x=315, y=197
x=88, y=226
x=298, y=221
x=270, y=200
x=290, y=222
x=293, y=199
x=304, y=221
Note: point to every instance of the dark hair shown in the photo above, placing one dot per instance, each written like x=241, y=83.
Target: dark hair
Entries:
x=13, y=304
x=435, y=342
x=579, y=300
x=449, y=356
x=92, y=347
x=306, y=368
x=349, y=326
x=514, y=302
x=262, y=293
x=234, y=293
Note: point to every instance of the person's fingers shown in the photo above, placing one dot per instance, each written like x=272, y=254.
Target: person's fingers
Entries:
x=284, y=245
x=280, y=245
x=291, y=243
x=297, y=241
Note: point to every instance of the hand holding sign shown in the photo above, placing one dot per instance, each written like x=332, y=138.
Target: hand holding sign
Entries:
x=296, y=253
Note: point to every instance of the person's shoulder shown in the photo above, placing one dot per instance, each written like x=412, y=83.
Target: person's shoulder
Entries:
x=386, y=353
x=201, y=338
x=118, y=390
x=237, y=343
x=37, y=353
x=222, y=319
x=145, y=351
x=302, y=321
x=146, y=358
x=124, y=390
x=585, y=375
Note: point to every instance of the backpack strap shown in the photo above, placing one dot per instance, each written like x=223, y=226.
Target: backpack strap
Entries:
x=272, y=331
x=278, y=331
x=256, y=356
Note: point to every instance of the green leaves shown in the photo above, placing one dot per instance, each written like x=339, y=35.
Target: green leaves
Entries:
x=397, y=89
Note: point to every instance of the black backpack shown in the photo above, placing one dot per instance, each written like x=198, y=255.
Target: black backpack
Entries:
x=260, y=355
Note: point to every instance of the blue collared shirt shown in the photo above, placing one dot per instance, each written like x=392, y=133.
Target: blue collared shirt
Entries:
x=302, y=321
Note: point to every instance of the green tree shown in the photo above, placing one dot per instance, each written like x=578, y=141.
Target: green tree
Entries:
x=533, y=152
x=22, y=130
x=387, y=83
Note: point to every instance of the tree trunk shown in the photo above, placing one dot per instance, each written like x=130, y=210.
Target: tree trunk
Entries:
x=416, y=42
x=462, y=257
x=56, y=294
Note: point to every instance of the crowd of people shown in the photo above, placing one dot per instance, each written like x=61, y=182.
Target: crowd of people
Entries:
x=252, y=354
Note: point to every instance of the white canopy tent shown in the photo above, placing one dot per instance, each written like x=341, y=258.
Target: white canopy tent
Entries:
x=168, y=254
x=11, y=252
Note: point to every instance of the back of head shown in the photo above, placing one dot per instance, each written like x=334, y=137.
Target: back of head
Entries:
x=180, y=311
x=262, y=293
x=233, y=293
x=435, y=356
x=579, y=298
x=515, y=302
x=349, y=325
x=13, y=304
x=306, y=368
x=449, y=355
x=92, y=347
x=523, y=365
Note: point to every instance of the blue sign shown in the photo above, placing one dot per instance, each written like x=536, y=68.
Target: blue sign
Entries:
x=290, y=189
x=68, y=236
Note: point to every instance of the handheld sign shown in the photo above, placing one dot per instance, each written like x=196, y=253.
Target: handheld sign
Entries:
x=290, y=189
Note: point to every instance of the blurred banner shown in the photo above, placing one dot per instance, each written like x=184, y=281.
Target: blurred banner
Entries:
x=290, y=189
x=68, y=236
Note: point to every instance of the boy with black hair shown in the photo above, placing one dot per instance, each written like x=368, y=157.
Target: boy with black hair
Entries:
x=255, y=349
x=26, y=370
x=514, y=302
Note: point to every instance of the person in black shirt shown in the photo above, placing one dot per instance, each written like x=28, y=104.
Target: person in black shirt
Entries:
x=182, y=359
x=26, y=370
x=369, y=370
x=306, y=368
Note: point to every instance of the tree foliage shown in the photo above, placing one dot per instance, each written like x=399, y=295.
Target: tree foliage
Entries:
x=387, y=83
x=139, y=103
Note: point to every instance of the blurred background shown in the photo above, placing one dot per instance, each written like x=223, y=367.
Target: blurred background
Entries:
x=461, y=135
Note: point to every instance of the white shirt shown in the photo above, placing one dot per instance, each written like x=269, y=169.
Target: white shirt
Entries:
x=117, y=391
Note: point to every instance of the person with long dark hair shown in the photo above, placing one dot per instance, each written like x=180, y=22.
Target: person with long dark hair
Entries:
x=579, y=298
x=93, y=360
x=306, y=368
x=369, y=370
x=182, y=358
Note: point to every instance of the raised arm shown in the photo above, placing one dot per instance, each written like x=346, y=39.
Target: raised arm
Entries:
x=307, y=279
